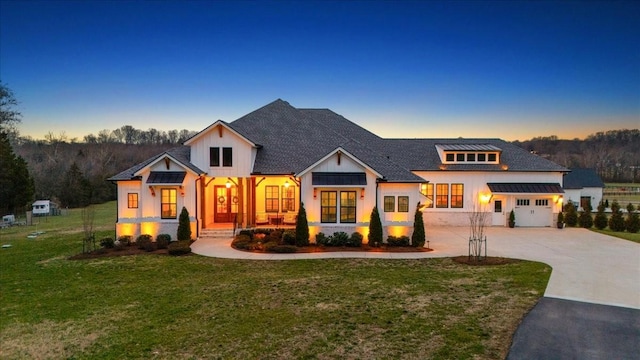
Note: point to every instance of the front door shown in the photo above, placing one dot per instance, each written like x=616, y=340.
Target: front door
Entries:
x=498, y=213
x=226, y=204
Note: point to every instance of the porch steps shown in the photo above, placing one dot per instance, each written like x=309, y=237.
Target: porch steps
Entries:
x=216, y=233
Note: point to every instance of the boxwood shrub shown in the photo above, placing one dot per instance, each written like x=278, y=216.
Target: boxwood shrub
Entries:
x=181, y=247
x=398, y=241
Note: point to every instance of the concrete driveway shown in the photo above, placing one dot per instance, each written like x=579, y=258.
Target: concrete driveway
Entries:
x=587, y=266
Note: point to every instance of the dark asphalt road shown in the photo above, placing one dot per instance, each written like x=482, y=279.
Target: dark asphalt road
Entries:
x=564, y=329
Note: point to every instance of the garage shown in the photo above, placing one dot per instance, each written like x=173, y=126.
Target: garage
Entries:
x=532, y=203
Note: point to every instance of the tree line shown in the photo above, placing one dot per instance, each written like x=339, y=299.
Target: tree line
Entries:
x=614, y=154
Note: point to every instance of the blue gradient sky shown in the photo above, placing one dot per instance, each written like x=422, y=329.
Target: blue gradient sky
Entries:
x=513, y=70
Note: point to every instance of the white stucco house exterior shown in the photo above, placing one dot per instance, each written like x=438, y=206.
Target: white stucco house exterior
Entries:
x=259, y=169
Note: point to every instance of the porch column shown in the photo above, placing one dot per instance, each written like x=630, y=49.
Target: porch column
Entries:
x=240, y=202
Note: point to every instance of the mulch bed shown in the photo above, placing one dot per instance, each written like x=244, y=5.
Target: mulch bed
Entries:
x=324, y=249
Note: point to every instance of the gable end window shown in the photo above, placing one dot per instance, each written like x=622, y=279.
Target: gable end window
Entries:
x=214, y=156
x=389, y=203
x=132, y=200
x=227, y=157
x=169, y=203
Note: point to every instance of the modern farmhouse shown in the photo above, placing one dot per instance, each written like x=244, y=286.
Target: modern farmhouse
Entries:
x=260, y=168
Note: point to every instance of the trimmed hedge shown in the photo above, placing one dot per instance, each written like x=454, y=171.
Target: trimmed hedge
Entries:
x=181, y=247
x=398, y=241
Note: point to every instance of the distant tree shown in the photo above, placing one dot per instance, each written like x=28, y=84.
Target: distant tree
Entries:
x=76, y=188
x=16, y=184
x=302, y=227
x=184, y=225
x=616, y=221
x=600, y=221
x=570, y=214
x=375, y=228
x=632, y=222
x=9, y=117
x=418, y=237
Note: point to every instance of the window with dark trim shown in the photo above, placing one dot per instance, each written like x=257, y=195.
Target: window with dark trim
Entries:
x=471, y=157
x=403, y=204
x=389, y=204
x=347, y=206
x=457, y=195
x=482, y=157
x=214, y=156
x=491, y=157
x=132, y=200
x=271, y=198
x=460, y=157
x=450, y=157
x=288, y=198
x=328, y=206
x=168, y=203
x=442, y=195
x=227, y=156
x=429, y=195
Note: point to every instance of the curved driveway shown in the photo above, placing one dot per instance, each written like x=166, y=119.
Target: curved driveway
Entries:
x=587, y=266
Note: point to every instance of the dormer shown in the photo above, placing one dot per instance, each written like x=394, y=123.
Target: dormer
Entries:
x=468, y=153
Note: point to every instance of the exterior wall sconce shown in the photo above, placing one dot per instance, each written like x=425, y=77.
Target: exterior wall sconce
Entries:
x=286, y=184
x=558, y=199
x=181, y=190
x=362, y=193
x=315, y=193
x=228, y=184
x=153, y=192
x=505, y=167
x=443, y=167
x=485, y=198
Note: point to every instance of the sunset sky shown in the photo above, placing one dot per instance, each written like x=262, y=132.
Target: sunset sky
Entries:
x=507, y=69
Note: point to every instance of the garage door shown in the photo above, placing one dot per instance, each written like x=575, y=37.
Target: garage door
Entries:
x=533, y=212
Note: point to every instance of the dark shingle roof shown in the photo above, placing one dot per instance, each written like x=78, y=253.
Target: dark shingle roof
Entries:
x=291, y=140
x=182, y=154
x=582, y=178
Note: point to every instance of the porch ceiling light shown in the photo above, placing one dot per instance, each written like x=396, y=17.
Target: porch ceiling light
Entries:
x=286, y=184
x=228, y=184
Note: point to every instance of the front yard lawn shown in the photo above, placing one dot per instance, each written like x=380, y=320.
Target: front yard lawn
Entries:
x=158, y=306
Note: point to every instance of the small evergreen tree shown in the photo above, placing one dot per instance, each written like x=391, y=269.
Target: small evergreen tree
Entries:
x=616, y=221
x=375, y=228
x=606, y=204
x=600, y=220
x=570, y=214
x=585, y=219
x=302, y=227
x=184, y=225
x=632, y=223
x=418, y=236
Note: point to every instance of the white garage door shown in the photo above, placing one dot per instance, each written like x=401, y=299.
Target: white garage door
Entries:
x=533, y=212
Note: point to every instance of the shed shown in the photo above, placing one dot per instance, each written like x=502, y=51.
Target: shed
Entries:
x=44, y=208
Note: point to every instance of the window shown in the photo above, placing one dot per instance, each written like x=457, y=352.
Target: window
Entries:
x=429, y=194
x=442, y=195
x=403, y=204
x=132, y=200
x=497, y=206
x=168, y=203
x=522, y=202
x=214, y=156
x=482, y=157
x=457, y=195
x=585, y=202
x=227, y=157
x=272, y=196
x=542, y=202
x=328, y=206
x=471, y=157
x=459, y=157
x=450, y=157
x=288, y=198
x=492, y=157
x=347, y=206
x=389, y=203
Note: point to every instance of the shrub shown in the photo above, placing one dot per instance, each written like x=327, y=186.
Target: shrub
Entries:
x=274, y=236
x=242, y=242
x=302, y=227
x=339, y=238
x=632, y=223
x=355, y=240
x=398, y=241
x=163, y=240
x=600, y=220
x=117, y=245
x=180, y=247
x=289, y=237
x=143, y=240
x=321, y=239
x=571, y=214
x=249, y=233
x=616, y=221
x=418, y=237
x=375, y=228
x=585, y=219
x=560, y=219
x=184, y=225
x=125, y=240
x=107, y=243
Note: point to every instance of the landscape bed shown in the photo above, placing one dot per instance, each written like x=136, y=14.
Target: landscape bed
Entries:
x=152, y=306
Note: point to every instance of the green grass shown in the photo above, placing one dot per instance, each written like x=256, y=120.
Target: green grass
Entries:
x=622, y=235
x=164, y=307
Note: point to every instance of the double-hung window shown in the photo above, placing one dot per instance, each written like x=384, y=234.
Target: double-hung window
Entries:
x=328, y=206
x=347, y=206
x=214, y=156
x=132, y=200
x=227, y=156
x=272, y=197
x=457, y=195
x=288, y=198
x=389, y=203
x=403, y=204
x=442, y=195
x=168, y=203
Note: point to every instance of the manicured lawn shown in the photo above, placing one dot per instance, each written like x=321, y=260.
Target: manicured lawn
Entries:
x=620, y=234
x=152, y=306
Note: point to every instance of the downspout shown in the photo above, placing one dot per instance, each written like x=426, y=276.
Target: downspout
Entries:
x=195, y=185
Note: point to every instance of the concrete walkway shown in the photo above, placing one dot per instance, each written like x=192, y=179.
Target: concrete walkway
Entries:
x=587, y=266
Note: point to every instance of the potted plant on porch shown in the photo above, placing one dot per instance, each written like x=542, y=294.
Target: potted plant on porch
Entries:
x=512, y=219
x=560, y=220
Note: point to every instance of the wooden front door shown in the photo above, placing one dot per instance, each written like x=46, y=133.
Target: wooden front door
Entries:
x=226, y=206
